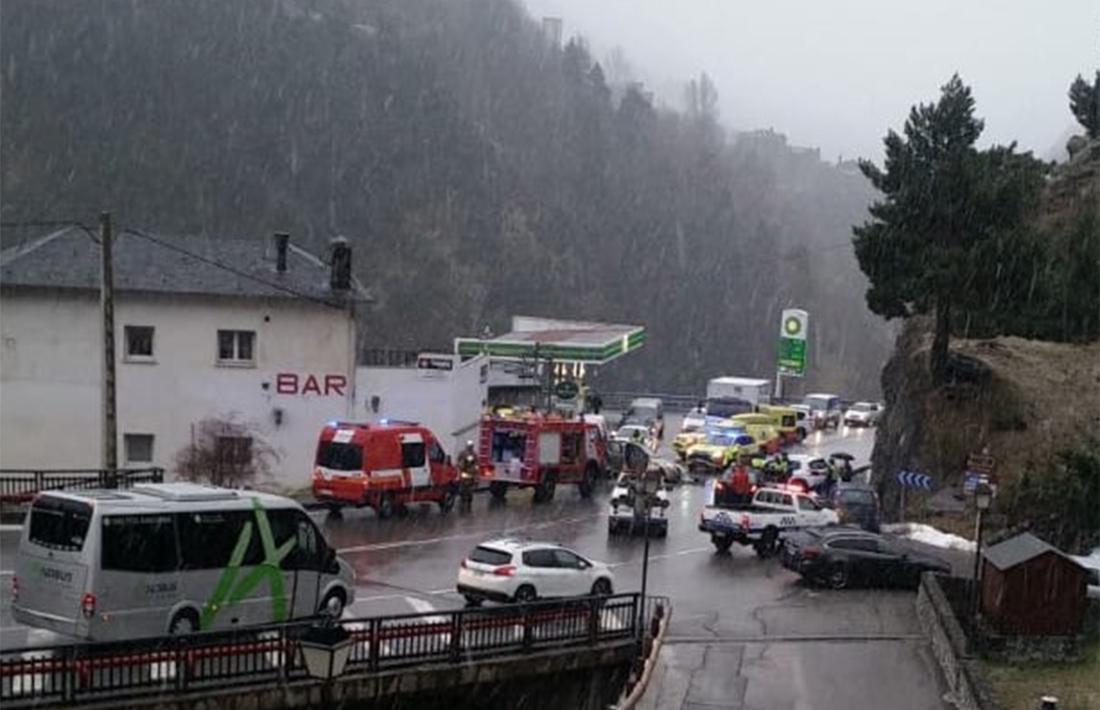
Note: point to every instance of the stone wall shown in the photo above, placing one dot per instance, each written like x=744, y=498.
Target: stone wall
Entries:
x=969, y=687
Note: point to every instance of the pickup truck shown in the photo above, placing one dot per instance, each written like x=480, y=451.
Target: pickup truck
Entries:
x=772, y=513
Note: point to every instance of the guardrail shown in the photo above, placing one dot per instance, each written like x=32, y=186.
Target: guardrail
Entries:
x=76, y=674
x=18, y=485
x=619, y=401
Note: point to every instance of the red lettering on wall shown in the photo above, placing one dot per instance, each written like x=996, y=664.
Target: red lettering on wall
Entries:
x=291, y=383
x=311, y=385
x=335, y=384
x=286, y=383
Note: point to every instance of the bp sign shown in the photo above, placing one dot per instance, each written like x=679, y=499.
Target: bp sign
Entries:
x=791, y=357
x=566, y=390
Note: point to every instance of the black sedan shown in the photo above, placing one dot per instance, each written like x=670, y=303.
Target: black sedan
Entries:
x=843, y=557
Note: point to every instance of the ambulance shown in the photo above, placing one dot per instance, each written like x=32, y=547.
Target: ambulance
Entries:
x=385, y=466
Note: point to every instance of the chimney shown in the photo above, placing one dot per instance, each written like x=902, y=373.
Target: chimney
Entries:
x=341, y=265
x=281, y=241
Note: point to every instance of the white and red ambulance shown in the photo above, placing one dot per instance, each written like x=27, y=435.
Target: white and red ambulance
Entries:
x=385, y=466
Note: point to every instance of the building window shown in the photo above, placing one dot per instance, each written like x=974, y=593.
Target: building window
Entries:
x=139, y=342
x=138, y=448
x=233, y=450
x=236, y=346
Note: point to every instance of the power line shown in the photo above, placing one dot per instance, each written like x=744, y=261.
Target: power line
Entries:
x=230, y=269
x=43, y=223
x=53, y=223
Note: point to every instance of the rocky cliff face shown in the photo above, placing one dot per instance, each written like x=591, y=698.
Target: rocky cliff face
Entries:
x=1023, y=400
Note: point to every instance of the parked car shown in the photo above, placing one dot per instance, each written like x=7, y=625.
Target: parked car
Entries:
x=844, y=556
x=772, y=514
x=632, y=432
x=807, y=471
x=695, y=420
x=856, y=503
x=647, y=411
x=863, y=414
x=510, y=569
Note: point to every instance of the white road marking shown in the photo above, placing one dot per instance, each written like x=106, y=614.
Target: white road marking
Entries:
x=11, y=527
x=423, y=606
x=678, y=553
x=7, y=573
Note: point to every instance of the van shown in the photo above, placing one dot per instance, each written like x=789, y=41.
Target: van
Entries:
x=761, y=427
x=172, y=558
x=790, y=421
x=384, y=466
x=824, y=410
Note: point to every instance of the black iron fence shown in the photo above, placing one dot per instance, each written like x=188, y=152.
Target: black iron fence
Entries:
x=76, y=674
x=17, y=485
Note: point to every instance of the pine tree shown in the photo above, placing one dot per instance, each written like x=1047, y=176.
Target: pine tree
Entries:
x=1084, y=102
x=944, y=202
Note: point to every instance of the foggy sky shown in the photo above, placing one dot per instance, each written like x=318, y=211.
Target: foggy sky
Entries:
x=837, y=73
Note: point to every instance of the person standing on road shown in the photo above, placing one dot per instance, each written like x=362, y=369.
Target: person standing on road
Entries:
x=741, y=485
x=467, y=474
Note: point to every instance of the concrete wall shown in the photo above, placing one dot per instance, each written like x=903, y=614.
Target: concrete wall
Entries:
x=50, y=360
x=446, y=401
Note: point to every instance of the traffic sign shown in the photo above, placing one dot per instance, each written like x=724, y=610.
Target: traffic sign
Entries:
x=982, y=463
x=912, y=479
x=566, y=390
x=791, y=355
x=972, y=479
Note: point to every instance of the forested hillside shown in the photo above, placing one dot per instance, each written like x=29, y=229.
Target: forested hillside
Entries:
x=478, y=171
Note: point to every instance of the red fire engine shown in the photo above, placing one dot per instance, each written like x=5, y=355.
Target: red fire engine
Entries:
x=384, y=466
x=540, y=451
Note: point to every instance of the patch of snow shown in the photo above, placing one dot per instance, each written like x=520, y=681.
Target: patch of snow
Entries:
x=1091, y=560
x=919, y=532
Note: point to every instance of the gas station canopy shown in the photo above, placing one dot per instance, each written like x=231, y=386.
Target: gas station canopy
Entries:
x=558, y=340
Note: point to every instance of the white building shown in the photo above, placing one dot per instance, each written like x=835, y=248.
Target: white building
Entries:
x=248, y=336
x=439, y=390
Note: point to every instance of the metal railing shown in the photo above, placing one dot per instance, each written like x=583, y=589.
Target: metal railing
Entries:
x=17, y=485
x=76, y=674
x=619, y=401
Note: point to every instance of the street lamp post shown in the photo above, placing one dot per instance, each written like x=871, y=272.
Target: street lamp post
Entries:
x=983, y=497
x=636, y=460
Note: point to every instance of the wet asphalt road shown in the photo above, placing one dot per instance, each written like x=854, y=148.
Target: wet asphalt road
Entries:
x=866, y=650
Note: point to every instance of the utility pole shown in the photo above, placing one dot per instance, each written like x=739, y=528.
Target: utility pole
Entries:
x=107, y=307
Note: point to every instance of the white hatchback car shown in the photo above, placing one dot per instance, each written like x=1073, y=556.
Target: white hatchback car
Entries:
x=522, y=571
x=863, y=414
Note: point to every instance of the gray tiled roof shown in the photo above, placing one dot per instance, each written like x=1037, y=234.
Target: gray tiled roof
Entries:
x=1020, y=548
x=69, y=258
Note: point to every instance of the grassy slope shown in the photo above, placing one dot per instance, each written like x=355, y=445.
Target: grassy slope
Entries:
x=1076, y=685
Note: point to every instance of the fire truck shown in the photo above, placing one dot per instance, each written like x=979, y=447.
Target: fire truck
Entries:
x=540, y=451
x=385, y=466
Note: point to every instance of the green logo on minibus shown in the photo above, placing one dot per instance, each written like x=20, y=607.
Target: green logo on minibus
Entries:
x=229, y=591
